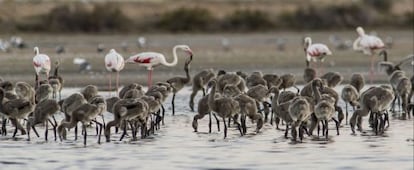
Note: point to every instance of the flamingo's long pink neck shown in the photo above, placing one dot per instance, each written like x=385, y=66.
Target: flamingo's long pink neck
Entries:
x=360, y=31
x=308, y=42
x=36, y=51
x=175, y=60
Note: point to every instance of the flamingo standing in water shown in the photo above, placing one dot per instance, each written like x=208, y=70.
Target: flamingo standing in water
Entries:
x=153, y=59
x=315, y=52
x=114, y=62
x=41, y=63
x=368, y=44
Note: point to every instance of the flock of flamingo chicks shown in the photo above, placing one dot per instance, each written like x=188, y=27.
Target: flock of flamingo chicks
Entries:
x=233, y=97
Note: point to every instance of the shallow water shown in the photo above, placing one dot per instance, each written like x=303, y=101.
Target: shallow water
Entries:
x=176, y=146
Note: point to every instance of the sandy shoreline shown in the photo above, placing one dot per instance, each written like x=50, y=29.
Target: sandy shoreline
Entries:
x=247, y=52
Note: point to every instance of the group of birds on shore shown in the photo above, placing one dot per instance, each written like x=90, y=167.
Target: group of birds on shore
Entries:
x=230, y=96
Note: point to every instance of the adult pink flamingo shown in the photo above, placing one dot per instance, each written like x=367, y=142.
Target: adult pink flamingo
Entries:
x=315, y=52
x=153, y=59
x=368, y=44
x=41, y=63
x=114, y=62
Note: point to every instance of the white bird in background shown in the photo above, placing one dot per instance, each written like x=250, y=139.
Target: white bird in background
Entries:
x=114, y=62
x=141, y=42
x=153, y=59
x=389, y=42
x=339, y=43
x=281, y=44
x=368, y=44
x=4, y=46
x=41, y=63
x=315, y=52
x=100, y=48
x=17, y=42
x=124, y=46
x=225, y=43
x=83, y=64
x=60, y=49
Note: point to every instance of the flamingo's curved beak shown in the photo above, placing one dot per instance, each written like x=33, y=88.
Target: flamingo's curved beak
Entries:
x=189, y=52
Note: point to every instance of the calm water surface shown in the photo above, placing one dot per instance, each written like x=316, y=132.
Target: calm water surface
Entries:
x=176, y=146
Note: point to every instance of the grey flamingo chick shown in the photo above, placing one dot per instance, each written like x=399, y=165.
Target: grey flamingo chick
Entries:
x=154, y=101
x=202, y=110
x=403, y=90
x=56, y=88
x=350, y=96
x=110, y=103
x=309, y=74
x=358, y=81
x=260, y=94
x=8, y=88
x=248, y=108
x=331, y=92
x=281, y=110
x=225, y=107
x=85, y=114
x=69, y=105
x=129, y=87
x=224, y=79
x=14, y=110
x=395, y=78
x=307, y=89
x=43, y=111
x=89, y=91
x=133, y=93
x=43, y=92
x=164, y=89
x=288, y=80
x=177, y=83
x=125, y=111
x=24, y=91
x=332, y=79
x=56, y=81
x=272, y=80
x=324, y=111
x=200, y=80
x=254, y=79
x=375, y=100
x=299, y=111
x=390, y=67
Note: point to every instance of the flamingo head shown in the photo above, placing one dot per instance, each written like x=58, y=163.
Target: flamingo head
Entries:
x=186, y=49
x=360, y=31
